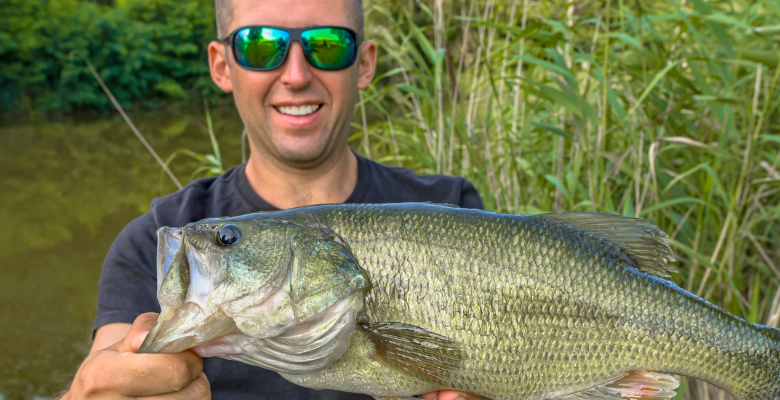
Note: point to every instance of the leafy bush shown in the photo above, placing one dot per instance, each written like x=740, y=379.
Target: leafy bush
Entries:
x=145, y=50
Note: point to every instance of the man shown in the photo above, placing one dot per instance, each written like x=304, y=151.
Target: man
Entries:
x=297, y=104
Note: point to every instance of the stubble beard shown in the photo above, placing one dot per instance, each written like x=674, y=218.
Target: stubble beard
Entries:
x=272, y=143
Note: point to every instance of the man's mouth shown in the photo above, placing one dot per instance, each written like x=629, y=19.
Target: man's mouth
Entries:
x=299, y=111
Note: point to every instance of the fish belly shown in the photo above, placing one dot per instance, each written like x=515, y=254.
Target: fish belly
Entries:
x=358, y=372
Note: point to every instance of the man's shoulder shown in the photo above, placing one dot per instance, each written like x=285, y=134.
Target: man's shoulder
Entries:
x=390, y=184
x=406, y=176
x=202, y=198
x=175, y=209
x=182, y=204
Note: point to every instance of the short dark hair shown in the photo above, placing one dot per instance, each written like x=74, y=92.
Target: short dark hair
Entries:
x=224, y=10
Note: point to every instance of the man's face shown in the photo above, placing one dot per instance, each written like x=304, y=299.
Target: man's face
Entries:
x=266, y=100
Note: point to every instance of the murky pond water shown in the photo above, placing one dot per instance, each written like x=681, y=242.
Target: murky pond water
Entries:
x=66, y=190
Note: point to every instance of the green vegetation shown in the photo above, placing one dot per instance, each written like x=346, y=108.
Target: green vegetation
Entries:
x=668, y=110
x=664, y=110
x=147, y=51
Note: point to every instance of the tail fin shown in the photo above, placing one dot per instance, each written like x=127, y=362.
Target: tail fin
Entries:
x=773, y=391
x=769, y=390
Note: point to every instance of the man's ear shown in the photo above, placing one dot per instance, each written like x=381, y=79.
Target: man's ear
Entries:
x=218, y=65
x=367, y=67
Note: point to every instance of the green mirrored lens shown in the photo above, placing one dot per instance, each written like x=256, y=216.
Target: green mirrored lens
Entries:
x=261, y=48
x=329, y=48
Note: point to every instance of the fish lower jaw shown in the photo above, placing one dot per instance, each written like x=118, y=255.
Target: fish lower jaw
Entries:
x=305, y=347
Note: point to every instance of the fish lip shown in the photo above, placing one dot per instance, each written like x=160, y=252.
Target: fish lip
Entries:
x=202, y=279
x=169, y=240
x=151, y=343
x=178, y=329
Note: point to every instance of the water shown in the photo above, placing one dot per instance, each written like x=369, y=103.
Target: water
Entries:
x=66, y=190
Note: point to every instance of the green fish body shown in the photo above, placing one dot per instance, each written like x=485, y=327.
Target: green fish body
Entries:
x=402, y=299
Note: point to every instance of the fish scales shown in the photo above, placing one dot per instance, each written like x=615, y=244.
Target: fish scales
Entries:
x=570, y=314
x=540, y=308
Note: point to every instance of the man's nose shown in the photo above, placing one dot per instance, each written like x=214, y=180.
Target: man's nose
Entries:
x=296, y=71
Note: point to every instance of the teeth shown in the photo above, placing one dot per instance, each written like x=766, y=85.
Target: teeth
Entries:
x=299, y=110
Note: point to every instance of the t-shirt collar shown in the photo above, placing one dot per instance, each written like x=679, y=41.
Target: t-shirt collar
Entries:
x=244, y=188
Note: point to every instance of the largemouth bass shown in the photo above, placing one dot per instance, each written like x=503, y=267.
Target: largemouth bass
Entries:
x=401, y=299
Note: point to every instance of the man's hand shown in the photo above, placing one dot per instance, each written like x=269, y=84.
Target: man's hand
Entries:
x=451, y=395
x=118, y=372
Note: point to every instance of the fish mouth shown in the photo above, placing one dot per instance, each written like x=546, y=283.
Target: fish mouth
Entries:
x=179, y=329
x=183, y=316
x=186, y=319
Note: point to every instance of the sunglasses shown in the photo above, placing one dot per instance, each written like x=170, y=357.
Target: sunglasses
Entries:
x=263, y=48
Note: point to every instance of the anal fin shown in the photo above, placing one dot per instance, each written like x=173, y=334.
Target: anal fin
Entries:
x=636, y=385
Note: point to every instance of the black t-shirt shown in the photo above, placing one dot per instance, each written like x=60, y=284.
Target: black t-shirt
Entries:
x=128, y=282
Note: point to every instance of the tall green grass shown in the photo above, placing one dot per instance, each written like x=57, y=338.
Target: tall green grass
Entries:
x=666, y=110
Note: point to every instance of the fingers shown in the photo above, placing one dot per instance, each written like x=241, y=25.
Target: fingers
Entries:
x=451, y=395
x=197, y=389
x=131, y=374
x=141, y=327
x=118, y=371
x=154, y=374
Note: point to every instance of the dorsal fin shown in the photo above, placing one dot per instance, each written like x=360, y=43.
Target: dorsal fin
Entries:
x=636, y=385
x=641, y=244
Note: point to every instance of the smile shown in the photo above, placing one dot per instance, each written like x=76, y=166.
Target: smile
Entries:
x=299, y=111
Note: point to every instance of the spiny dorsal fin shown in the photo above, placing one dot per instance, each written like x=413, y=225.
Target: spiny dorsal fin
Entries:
x=641, y=243
x=636, y=385
x=414, y=350
x=450, y=205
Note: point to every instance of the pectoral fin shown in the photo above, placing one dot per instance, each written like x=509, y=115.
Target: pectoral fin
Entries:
x=636, y=385
x=414, y=350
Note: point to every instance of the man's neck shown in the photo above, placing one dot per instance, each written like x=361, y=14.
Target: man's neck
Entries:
x=288, y=187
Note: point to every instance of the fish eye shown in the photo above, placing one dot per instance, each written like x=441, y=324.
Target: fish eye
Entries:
x=227, y=235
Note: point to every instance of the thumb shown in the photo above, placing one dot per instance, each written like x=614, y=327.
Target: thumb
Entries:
x=141, y=327
x=451, y=395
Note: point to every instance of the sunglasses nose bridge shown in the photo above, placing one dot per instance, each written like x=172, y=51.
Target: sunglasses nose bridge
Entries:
x=296, y=70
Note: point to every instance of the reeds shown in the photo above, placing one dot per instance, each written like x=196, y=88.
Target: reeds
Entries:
x=664, y=110
x=210, y=164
